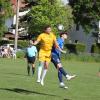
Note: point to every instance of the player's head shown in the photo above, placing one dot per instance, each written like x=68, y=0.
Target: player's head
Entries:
x=47, y=29
x=64, y=35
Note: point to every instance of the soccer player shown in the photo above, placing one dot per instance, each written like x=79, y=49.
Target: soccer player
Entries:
x=46, y=39
x=55, y=58
x=31, y=54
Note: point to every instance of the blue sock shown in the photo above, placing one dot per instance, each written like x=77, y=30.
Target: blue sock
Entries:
x=60, y=76
x=62, y=71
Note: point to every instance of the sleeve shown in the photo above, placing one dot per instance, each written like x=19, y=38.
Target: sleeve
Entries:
x=55, y=42
x=58, y=41
x=39, y=38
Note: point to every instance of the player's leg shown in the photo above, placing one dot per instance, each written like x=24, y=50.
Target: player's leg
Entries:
x=46, y=64
x=47, y=59
x=28, y=65
x=28, y=68
x=61, y=69
x=53, y=60
x=33, y=69
x=56, y=61
x=41, y=64
x=60, y=77
x=33, y=65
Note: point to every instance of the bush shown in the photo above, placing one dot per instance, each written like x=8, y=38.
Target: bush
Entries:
x=95, y=48
x=21, y=43
x=20, y=54
x=84, y=57
x=3, y=42
x=75, y=48
x=80, y=47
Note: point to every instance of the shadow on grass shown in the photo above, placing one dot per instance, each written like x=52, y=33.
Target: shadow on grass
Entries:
x=17, y=90
x=23, y=91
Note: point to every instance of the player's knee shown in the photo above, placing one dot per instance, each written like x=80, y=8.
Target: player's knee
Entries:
x=59, y=65
x=46, y=65
x=41, y=64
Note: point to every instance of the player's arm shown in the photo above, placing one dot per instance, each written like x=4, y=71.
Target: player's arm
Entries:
x=63, y=51
x=38, y=40
x=57, y=46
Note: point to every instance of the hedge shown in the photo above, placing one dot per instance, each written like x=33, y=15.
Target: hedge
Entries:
x=20, y=54
x=95, y=48
x=75, y=48
x=84, y=57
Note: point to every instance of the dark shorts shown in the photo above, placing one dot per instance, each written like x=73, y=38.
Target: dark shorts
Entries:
x=55, y=59
x=31, y=59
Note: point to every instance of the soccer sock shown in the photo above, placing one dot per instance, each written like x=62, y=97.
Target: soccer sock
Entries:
x=28, y=69
x=60, y=76
x=39, y=72
x=33, y=70
x=44, y=74
x=62, y=71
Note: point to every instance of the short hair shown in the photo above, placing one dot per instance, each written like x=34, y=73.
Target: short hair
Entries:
x=47, y=26
x=63, y=33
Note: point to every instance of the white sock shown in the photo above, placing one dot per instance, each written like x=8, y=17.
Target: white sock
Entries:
x=39, y=72
x=43, y=75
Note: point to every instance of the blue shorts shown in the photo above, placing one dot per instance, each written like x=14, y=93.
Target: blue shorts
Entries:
x=55, y=59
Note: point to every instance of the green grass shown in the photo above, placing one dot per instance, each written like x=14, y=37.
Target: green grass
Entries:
x=16, y=85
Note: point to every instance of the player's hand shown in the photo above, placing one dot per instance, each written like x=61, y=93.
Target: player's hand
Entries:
x=64, y=52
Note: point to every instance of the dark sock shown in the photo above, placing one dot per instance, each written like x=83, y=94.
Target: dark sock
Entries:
x=33, y=70
x=28, y=69
x=62, y=71
x=60, y=76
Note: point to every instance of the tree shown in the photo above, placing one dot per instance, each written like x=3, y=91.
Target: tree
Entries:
x=47, y=13
x=5, y=12
x=86, y=13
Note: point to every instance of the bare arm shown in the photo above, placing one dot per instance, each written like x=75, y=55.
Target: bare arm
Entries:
x=63, y=51
x=57, y=46
x=36, y=42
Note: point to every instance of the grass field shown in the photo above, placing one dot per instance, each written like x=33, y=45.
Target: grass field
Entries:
x=16, y=85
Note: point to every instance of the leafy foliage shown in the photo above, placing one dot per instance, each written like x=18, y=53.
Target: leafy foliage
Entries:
x=5, y=12
x=86, y=12
x=47, y=13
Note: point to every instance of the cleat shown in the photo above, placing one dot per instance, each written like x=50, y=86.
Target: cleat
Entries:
x=38, y=81
x=69, y=77
x=42, y=83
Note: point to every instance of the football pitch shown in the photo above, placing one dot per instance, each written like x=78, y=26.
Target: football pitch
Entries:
x=16, y=85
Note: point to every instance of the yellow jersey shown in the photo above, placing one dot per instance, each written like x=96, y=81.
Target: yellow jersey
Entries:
x=46, y=41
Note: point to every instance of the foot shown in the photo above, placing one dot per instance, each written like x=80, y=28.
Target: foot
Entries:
x=69, y=77
x=42, y=83
x=62, y=85
x=38, y=81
